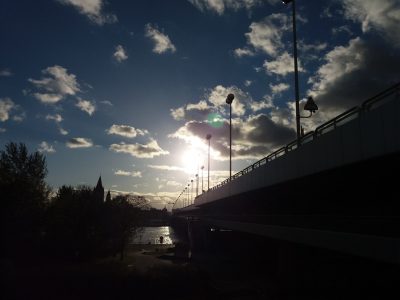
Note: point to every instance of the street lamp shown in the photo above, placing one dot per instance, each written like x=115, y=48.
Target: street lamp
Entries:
x=229, y=101
x=197, y=185
x=191, y=191
x=202, y=177
x=184, y=198
x=188, y=194
x=296, y=72
x=208, y=137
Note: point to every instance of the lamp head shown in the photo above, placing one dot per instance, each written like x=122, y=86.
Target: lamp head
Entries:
x=286, y=1
x=230, y=98
x=208, y=136
x=310, y=105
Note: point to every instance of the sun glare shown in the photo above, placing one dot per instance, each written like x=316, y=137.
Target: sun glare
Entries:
x=191, y=160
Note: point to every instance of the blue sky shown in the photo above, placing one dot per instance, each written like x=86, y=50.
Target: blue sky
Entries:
x=125, y=89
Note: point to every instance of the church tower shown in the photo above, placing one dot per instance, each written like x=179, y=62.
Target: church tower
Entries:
x=98, y=191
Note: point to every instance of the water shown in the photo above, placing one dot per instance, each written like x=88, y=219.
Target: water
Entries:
x=151, y=235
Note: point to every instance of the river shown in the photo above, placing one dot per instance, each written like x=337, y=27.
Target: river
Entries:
x=151, y=235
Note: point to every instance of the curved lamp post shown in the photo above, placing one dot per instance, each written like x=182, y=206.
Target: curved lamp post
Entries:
x=208, y=137
x=202, y=177
x=229, y=101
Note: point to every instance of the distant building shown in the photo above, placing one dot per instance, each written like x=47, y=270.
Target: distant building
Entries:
x=98, y=191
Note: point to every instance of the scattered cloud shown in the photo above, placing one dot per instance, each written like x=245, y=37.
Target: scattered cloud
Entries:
x=127, y=173
x=248, y=83
x=5, y=73
x=282, y=65
x=2, y=130
x=312, y=47
x=166, y=168
x=86, y=106
x=106, y=102
x=149, y=150
x=383, y=17
x=20, y=117
x=162, y=43
x=266, y=35
x=255, y=136
x=265, y=103
x=240, y=52
x=343, y=28
x=127, y=131
x=45, y=147
x=6, y=105
x=79, y=143
x=279, y=88
x=351, y=74
x=120, y=54
x=56, y=86
x=63, y=131
x=217, y=97
x=219, y=6
x=93, y=9
x=56, y=118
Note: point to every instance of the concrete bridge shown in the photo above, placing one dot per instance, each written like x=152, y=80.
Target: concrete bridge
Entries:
x=337, y=189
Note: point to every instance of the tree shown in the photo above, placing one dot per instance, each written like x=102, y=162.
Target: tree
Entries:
x=24, y=197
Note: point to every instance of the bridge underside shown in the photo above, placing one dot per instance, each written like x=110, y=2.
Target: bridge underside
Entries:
x=354, y=209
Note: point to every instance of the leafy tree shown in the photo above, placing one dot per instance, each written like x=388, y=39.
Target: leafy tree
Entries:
x=24, y=197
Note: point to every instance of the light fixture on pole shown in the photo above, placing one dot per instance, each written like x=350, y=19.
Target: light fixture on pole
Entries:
x=208, y=137
x=197, y=185
x=202, y=177
x=229, y=101
x=184, y=198
x=188, y=194
x=191, y=192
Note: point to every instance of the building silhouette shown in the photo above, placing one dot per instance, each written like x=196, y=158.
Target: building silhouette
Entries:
x=98, y=191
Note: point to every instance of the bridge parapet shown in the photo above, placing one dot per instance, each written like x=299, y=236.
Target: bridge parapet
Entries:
x=361, y=133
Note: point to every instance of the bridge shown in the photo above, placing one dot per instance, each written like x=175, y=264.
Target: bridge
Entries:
x=337, y=188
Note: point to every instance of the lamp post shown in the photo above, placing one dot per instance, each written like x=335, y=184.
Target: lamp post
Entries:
x=202, y=177
x=296, y=72
x=188, y=194
x=229, y=101
x=191, y=191
x=184, y=198
x=197, y=185
x=208, y=137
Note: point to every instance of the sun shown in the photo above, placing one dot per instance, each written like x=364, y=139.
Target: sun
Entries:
x=191, y=160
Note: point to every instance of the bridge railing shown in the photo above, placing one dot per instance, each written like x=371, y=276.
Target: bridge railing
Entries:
x=328, y=126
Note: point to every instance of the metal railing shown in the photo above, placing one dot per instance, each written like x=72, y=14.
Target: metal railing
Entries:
x=330, y=125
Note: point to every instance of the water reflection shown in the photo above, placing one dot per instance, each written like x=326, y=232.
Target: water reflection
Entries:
x=151, y=235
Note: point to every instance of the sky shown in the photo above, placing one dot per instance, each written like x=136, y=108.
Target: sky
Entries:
x=129, y=89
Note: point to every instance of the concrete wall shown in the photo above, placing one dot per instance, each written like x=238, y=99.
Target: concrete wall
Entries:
x=373, y=133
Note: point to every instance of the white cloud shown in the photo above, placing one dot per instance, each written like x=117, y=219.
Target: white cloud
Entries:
x=93, y=9
x=166, y=168
x=279, y=88
x=6, y=105
x=282, y=65
x=56, y=118
x=178, y=113
x=106, y=102
x=343, y=28
x=149, y=150
x=5, y=73
x=120, y=54
x=265, y=103
x=351, y=74
x=312, y=47
x=86, y=106
x=62, y=131
x=2, y=130
x=45, y=147
x=248, y=83
x=382, y=16
x=127, y=173
x=219, y=6
x=20, y=117
x=218, y=94
x=79, y=143
x=267, y=34
x=58, y=85
x=240, y=52
x=162, y=43
x=125, y=130
x=173, y=183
